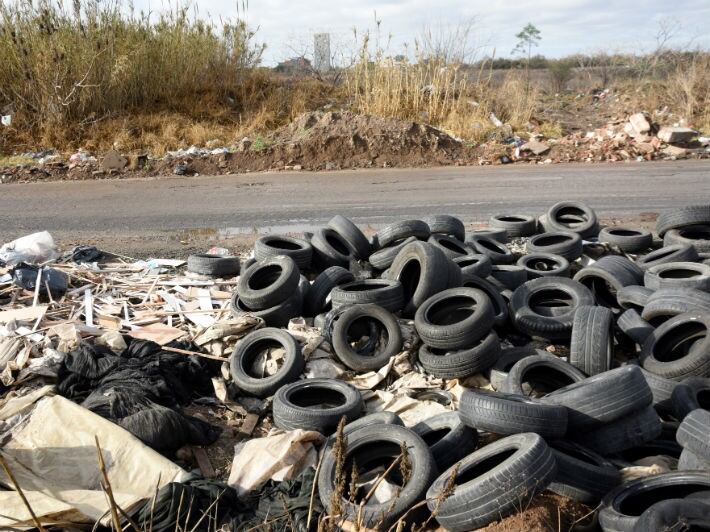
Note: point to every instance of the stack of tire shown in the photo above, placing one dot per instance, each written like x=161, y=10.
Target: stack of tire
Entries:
x=632, y=322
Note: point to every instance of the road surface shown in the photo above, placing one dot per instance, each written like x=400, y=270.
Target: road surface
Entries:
x=152, y=215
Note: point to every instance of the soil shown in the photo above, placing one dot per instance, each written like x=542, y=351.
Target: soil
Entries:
x=547, y=512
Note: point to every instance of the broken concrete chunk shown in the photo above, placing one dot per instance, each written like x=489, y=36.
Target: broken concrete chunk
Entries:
x=676, y=152
x=113, y=161
x=676, y=135
x=536, y=147
x=640, y=123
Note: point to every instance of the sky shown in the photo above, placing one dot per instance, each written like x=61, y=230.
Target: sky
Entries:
x=567, y=26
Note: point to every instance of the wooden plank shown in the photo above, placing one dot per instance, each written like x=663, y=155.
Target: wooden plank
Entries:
x=248, y=425
x=203, y=462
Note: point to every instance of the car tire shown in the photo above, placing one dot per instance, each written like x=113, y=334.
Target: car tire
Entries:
x=383, y=292
x=460, y=363
x=592, y=341
x=298, y=249
x=448, y=438
x=213, y=265
x=627, y=239
x=547, y=369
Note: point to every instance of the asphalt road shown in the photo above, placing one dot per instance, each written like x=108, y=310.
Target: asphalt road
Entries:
x=148, y=210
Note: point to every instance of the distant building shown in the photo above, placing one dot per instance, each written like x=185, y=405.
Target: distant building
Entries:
x=295, y=65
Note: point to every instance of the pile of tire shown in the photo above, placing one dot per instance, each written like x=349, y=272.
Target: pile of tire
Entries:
x=629, y=312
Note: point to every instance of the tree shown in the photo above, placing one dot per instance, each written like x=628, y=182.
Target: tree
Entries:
x=528, y=37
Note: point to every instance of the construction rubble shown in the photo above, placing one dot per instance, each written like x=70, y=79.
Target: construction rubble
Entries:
x=428, y=377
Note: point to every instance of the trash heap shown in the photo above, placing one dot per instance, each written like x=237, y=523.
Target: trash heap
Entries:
x=425, y=376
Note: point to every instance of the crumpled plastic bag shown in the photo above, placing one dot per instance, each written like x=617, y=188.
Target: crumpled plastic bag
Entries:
x=52, y=281
x=33, y=249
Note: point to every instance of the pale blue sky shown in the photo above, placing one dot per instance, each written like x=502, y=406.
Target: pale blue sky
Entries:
x=567, y=26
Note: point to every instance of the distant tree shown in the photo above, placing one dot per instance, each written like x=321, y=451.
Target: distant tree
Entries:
x=528, y=37
x=561, y=71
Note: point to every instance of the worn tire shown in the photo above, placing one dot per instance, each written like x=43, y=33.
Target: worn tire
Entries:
x=330, y=249
x=436, y=327
x=316, y=300
x=497, y=252
x=450, y=246
x=476, y=265
x=677, y=253
x=383, y=292
x=582, y=474
x=695, y=275
x=669, y=302
x=515, y=225
x=213, y=265
x=500, y=306
x=571, y=216
x=460, y=363
x=633, y=297
x=507, y=359
x=670, y=514
x=244, y=356
x=562, y=243
x=268, y=283
x=298, y=249
x=603, y=398
x=554, y=324
x=544, y=265
x=679, y=348
x=351, y=234
x=634, y=326
x=662, y=391
x=353, y=358
x=638, y=495
x=690, y=394
x=289, y=415
x=625, y=433
x=401, y=230
x=607, y=276
x=444, y=224
x=374, y=443
x=383, y=258
x=694, y=431
x=276, y=316
x=503, y=413
x=448, y=438
x=509, y=276
x=689, y=461
x=496, y=490
x=545, y=369
x=501, y=235
x=697, y=236
x=592, y=343
x=627, y=239
x=682, y=217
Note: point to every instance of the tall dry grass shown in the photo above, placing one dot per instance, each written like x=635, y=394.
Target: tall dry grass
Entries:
x=438, y=88
x=67, y=66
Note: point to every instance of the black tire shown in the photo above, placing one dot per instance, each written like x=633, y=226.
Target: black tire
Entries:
x=536, y=310
x=634, y=326
x=622, y=507
x=592, y=342
x=494, y=481
x=268, y=283
x=330, y=249
x=497, y=252
x=544, y=265
x=462, y=363
x=500, y=235
x=447, y=321
x=317, y=298
x=477, y=265
x=213, y=265
x=276, y=316
x=500, y=306
x=662, y=391
x=624, y=433
x=298, y=249
x=689, y=461
x=293, y=405
x=667, y=254
x=373, y=358
x=383, y=259
x=582, y=474
x=633, y=297
x=694, y=433
x=671, y=514
x=378, y=444
x=697, y=236
x=627, y=239
x=503, y=413
x=423, y=270
x=543, y=373
x=447, y=437
x=515, y=225
x=669, y=302
x=450, y=246
x=507, y=359
x=509, y=276
x=564, y=244
x=401, y=230
x=682, y=217
x=607, y=276
x=653, y=448
x=250, y=347
x=679, y=348
x=603, y=398
x=571, y=216
x=351, y=234
x=444, y=224
x=383, y=292
x=690, y=394
x=694, y=275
